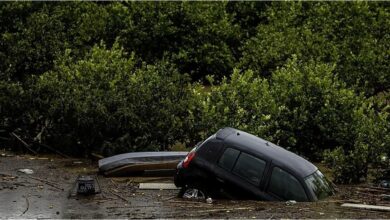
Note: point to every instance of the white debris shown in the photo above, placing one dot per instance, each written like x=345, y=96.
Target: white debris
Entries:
x=26, y=171
x=364, y=206
x=291, y=202
x=157, y=186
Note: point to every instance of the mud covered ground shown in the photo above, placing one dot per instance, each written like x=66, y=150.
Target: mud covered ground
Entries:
x=46, y=194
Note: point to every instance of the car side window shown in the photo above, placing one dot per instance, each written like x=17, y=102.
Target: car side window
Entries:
x=250, y=168
x=228, y=158
x=286, y=186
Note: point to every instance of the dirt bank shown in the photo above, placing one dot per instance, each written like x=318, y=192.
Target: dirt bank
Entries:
x=45, y=194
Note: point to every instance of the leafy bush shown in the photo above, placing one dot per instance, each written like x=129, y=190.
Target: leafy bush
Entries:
x=370, y=151
x=348, y=34
x=12, y=105
x=105, y=100
x=41, y=32
x=314, y=108
x=302, y=107
x=156, y=30
x=243, y=102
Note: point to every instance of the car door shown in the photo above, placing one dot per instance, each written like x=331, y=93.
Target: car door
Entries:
x=241, y=174
x=282, y=185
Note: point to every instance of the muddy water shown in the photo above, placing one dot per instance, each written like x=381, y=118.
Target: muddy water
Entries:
x=29, y=196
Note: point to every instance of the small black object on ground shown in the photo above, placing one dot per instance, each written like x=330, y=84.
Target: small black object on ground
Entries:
x=85, y=185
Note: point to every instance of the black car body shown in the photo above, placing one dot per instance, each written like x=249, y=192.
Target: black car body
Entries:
x=240, y=165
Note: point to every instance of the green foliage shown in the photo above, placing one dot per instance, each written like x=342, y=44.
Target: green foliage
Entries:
x=11, y=109
x=351, y=35
x=104, y=100
x=369, y=153
x=314, y=108
x=43, y=31
x=312, y=77
x=197, y=36
x=243, y=102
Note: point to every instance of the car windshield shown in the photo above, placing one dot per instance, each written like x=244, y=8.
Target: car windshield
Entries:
x=319, y=184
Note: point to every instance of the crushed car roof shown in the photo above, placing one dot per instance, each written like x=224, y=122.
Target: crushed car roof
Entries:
x=266, y=149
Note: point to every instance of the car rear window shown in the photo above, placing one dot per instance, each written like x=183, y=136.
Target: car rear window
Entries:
x=286, y=186
x=228, y=158
x=249, y=168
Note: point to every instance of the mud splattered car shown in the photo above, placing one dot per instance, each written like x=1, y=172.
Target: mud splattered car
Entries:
x=235, y=164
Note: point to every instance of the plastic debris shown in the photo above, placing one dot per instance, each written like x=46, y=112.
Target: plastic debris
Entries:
x=364, y=206
x=209, y=200
x=291, y=202
x=385, y=184
x=26, y=171
x=157, y=186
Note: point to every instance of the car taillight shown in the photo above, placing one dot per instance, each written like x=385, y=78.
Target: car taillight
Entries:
x=189, y=158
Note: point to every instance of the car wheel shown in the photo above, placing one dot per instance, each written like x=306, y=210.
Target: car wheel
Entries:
x=192, y=193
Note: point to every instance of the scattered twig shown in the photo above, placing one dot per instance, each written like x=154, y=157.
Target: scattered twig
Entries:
x=54, y=150
x=119, y=196
x=379, y=188
x=27, y=206
x=6, y=175
x=97, y=156
x=129, y=182
x=169, y=198
x=188, y=202
x=114, y=183
x=225, y=209
x=24, y=143
x=46, y=182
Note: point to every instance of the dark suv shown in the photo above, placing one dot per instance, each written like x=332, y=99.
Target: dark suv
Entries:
x=236, y=164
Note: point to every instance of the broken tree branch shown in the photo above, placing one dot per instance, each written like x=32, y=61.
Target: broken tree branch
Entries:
x=54, y=150
x=24, y=143
x=27, y=206
x=46, y=182
x=119, y=196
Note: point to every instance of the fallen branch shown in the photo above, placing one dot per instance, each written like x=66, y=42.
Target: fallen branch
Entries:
x=379, y=188
x=46, y=182
x=119, y=196
x=225, y=209
x=169, y=198
x=27, y=206
x=24, y=143
x=6, y=175
x=54, y=150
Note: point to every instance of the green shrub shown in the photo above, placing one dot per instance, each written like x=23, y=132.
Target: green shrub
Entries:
x=369, y=154
x=349, y=34
x=104, y=102
x=12, y=104
x=315, y=108
x=302, y=107
x=243, y=102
